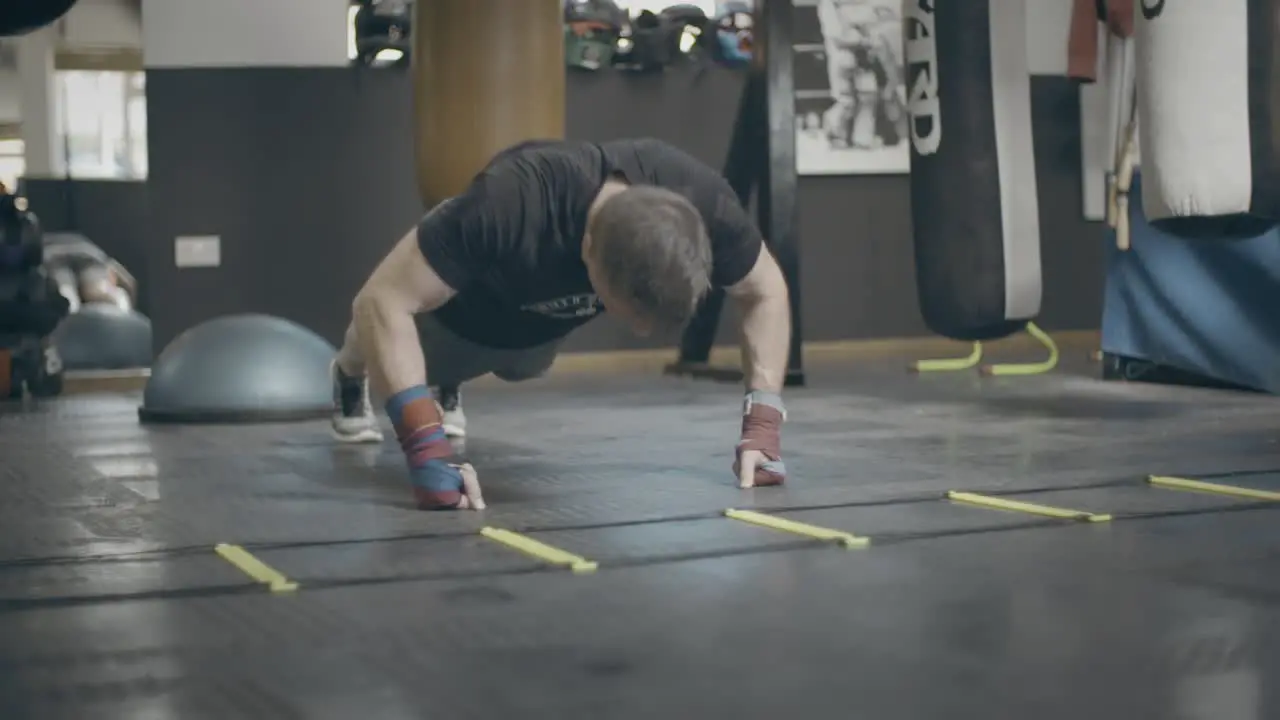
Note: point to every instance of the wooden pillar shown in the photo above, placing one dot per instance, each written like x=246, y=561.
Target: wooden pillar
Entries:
x=487, y=74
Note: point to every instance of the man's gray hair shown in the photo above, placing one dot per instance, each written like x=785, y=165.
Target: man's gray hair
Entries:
x=654, y=253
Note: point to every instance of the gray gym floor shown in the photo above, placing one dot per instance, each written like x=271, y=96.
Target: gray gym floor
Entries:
x=113, y=603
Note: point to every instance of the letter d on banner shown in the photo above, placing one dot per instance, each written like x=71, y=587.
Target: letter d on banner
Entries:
x=921, y=53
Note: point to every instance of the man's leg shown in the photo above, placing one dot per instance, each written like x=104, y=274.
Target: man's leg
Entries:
x=534, y=362
x=353, y=418
x=452, y=361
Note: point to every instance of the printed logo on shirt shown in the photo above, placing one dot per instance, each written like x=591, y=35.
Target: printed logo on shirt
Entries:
x=569, y=307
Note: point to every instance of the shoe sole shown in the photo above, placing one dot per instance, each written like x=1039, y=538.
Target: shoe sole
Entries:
x=454, y=431
x=361, y=436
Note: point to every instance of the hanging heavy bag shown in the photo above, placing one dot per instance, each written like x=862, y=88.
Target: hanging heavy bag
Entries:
x=1209, y=101
x=975, y=218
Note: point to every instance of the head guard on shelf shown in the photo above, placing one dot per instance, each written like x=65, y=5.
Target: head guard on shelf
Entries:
x=733, y=34
x=591, y=30
x=652, y=40
x=690, y=24
x=383, y=26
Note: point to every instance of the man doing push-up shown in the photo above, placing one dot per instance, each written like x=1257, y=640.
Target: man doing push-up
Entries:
x=547, y=236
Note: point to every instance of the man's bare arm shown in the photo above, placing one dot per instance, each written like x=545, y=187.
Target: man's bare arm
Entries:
x=766, y=324
x=402, y=286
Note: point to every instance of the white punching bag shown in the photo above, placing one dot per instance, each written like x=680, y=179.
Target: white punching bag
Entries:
x=1206, y=81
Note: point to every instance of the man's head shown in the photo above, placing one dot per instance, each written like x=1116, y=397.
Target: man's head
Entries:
x=649, y=257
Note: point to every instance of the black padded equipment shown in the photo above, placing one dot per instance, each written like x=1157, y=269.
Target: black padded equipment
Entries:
x=29, y=366
x=19, y=17
x=591, y=30
x=104, y=336
x=240, y=368
x=382, y=25
x=655, y=43
x=30, y=304
x=21, y=240
x=973, y=186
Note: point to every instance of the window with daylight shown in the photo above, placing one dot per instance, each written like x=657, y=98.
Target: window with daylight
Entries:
x=104, y=123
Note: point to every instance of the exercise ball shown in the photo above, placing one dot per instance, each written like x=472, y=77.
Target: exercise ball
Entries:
x=240, y=369
x=104, y=336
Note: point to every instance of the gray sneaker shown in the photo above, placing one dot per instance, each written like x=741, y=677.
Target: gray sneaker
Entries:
x=353, y=418
x=454, y=420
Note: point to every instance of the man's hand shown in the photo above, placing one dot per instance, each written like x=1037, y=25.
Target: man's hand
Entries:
x=441, y=485
x=758, y=458
x=438, y=480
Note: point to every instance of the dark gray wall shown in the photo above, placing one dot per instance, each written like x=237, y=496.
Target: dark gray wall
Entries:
x=307, y=174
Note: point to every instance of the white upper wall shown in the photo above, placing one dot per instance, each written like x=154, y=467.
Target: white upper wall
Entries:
x=95, y=24
x=10, y=94
x=244, y=33
x=1048, y=26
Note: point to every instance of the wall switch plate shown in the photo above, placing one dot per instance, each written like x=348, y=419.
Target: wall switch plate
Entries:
x=193, y=251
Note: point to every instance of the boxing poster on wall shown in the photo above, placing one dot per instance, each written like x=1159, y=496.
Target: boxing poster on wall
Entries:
x=850, y=94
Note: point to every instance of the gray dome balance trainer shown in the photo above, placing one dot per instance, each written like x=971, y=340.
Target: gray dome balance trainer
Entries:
x=102, y=336
x=240, y=369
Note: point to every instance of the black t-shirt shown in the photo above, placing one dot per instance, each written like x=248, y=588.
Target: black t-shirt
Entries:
x=511, y=244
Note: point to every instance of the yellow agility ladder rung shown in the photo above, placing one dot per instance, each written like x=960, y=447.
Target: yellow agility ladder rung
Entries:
x=1177, y=483
x=255, y=568
x=539, y=550
x=998, y=503
x=816, y=532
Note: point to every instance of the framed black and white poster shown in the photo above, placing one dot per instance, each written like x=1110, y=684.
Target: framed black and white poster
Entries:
x=850, y=95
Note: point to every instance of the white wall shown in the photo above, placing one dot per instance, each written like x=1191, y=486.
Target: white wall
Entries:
x=95, y=24
x=244, y=33
x=1048, y=26
x=10, y=92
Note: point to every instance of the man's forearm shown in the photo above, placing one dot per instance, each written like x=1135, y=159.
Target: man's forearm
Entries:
x=766, y=341
x=390, y=345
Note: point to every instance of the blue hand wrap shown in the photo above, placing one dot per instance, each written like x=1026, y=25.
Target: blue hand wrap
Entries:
x=437, y=484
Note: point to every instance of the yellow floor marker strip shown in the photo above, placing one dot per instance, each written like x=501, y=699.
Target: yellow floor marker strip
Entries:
x=997, y=503
x=774, y=522
x=255, y=568
x=541, y=551
x=1177, y=483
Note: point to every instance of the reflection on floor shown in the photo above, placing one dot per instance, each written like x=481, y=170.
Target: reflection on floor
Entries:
x=114, y=603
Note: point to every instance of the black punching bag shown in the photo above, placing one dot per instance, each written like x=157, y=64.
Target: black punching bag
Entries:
x=973, y=181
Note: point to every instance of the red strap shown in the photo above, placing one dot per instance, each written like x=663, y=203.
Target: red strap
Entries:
x=1082, y=42
x=762, y=430
x=1120, y=17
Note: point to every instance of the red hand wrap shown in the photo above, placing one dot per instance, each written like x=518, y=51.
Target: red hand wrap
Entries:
x=428, y=452
x=762, y=431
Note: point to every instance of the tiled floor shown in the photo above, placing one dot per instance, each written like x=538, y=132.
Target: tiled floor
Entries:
x=113, y=603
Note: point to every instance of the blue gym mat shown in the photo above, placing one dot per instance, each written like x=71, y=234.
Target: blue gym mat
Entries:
x=1210, y=308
